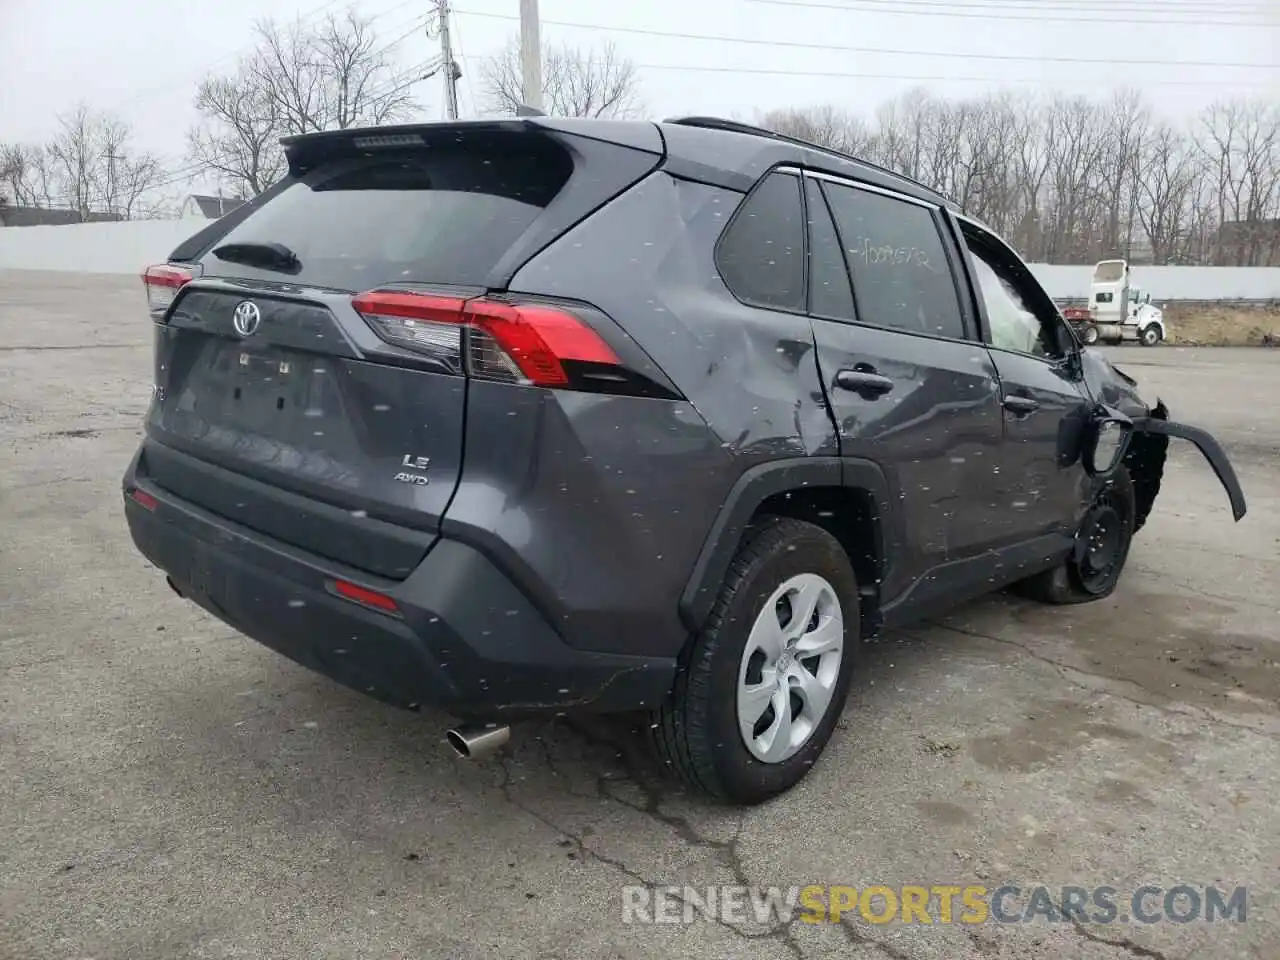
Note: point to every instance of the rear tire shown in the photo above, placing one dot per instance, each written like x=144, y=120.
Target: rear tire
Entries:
x=706, y=733
x=1108, y=529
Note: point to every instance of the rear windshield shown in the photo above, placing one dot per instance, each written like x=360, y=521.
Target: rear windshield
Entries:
x=445, y=214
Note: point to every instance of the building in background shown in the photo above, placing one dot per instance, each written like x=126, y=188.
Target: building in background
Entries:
x=1254, y=243
x=15, y=216
x=211, y=208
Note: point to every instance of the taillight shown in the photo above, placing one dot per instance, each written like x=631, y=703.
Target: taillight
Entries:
x=162, y=282
x=536, y=344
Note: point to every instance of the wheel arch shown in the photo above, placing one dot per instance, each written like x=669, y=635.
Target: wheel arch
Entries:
x=847, y=497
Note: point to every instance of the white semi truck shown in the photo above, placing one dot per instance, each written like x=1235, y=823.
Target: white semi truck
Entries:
x=1118, y=310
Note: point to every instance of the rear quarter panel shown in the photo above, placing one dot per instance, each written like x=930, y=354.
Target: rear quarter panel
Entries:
x=646, y=479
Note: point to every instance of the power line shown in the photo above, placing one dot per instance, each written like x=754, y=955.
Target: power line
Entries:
x=417, y=24
x=800, y=45
x=944, y=8
x=941, y=78
x=1193, y=7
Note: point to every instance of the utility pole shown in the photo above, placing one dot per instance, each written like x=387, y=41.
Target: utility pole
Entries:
x=531, y=53
x=450, y=69
x=112, y=186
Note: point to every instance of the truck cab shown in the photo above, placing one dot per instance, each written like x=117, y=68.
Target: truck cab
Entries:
x=1120, y=311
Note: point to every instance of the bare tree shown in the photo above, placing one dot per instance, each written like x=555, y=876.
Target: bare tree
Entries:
x=1241, y=145
x=299, y=79
x=1169, y=169
x=24, y=174
x=76, y=154
x=90, y=163
x=122, y=178
x=1126, y=120
x=1067, y=179
x=826, y=125
x=598, y=83
x=238, y=136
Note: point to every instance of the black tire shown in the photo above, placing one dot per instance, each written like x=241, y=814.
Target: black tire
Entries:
x=1111, y=518
x=1089, y=335
x=1150, y=336
x=696, y=733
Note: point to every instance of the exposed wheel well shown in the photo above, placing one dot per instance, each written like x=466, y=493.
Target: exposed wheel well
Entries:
x=1145, y=462
x=847, y=514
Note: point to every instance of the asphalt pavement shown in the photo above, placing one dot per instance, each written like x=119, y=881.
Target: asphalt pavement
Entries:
x=171, y=790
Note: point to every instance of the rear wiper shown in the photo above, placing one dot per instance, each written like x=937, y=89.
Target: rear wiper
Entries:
x=268, y=256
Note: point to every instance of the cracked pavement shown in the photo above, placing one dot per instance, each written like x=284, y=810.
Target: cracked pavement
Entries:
x=171, y=790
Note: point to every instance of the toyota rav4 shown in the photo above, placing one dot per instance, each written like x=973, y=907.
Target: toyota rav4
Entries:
x=534, y=416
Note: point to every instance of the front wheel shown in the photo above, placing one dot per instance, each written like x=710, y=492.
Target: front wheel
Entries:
x=762, y=686
x=1102, y=547
x=1150, y=335
x=1090, y=334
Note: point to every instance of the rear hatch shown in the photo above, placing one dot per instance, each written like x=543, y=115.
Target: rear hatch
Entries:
x=281, y=405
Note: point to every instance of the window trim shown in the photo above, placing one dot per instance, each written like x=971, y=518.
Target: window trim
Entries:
x=785, y=170
x=985, y=236
x=869, y=187
x=808, y=262
x=969, y=332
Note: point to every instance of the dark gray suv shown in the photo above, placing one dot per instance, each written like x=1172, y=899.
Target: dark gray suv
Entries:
x=537, y=416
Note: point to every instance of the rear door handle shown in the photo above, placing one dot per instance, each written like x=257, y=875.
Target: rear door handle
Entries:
x=864, y=382
x=1021, y=404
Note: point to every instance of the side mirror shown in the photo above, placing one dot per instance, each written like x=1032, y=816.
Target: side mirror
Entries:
x=1105, y=443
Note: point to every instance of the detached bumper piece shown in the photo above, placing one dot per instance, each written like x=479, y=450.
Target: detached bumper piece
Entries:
x=1159, y=425
x=457, y=634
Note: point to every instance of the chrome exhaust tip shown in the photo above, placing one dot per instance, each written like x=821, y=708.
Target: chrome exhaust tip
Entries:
x=477, y=741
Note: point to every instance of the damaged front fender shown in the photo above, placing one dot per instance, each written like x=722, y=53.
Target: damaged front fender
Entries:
x=1149, y=449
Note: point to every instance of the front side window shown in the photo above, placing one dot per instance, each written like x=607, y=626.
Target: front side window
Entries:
x=1020, y=315
x=761, y=255
x=901, y=276
x=1011, y=323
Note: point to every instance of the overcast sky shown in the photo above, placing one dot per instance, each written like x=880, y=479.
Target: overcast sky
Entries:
x=142, y=58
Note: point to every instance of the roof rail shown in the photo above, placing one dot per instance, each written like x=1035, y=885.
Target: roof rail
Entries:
x=736, y=126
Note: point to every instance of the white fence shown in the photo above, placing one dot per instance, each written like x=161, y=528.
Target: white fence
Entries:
x=128, y=247
x=1167, y=284
x=94, y=247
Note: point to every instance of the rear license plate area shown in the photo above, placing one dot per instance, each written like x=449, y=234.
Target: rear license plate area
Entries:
x=274, y=394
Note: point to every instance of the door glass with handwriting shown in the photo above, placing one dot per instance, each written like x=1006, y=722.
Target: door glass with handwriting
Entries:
x=901, y=277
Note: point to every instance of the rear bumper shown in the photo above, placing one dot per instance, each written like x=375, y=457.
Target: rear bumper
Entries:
x=466, y=639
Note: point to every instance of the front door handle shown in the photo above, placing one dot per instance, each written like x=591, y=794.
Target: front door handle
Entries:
x=1021, y=405
x=863, y=382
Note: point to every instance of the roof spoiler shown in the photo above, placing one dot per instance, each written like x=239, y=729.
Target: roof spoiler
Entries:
x=307, y=151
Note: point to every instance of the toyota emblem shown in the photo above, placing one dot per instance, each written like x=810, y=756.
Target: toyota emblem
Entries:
x=247, y=318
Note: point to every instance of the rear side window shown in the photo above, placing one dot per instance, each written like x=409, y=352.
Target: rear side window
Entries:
x=446, y=214
x=761, y=255
x=901, y=276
